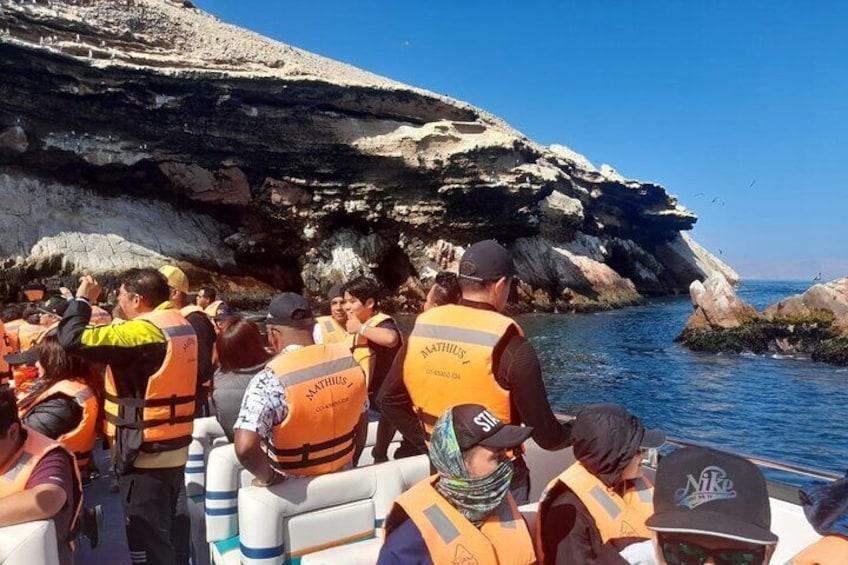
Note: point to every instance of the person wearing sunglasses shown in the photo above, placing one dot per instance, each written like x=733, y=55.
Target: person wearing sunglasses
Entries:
x=711, y=508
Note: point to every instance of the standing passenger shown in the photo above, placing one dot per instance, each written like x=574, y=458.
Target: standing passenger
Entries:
x=375, y=341
x=150, y=401
x=470, y=352
x=178, y=285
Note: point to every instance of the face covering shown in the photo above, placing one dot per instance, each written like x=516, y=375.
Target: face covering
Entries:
x=473, y=498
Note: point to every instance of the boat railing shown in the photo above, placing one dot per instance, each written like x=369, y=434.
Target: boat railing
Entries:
x=652, y=458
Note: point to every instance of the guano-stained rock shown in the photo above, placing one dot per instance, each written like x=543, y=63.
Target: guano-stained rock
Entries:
x=245, y=156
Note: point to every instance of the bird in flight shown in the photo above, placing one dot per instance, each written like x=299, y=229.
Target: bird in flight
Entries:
x=753, y=182
x=817, y=277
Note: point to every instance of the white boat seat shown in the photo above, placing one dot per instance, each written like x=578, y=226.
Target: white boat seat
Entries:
x=305, y=515
x=30, y=543
x=224, y=476
x=205, y=433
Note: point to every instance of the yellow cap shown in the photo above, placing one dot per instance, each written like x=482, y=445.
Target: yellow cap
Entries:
x=176, y=278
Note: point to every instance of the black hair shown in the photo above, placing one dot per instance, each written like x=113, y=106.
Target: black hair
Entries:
x=149, y=283
x=209, y=293
x=12, y=312
x=364, y=288
x=447, y=288
x=8, y=411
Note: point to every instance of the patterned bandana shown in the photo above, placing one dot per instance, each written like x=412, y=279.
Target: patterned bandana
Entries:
x=474, y=498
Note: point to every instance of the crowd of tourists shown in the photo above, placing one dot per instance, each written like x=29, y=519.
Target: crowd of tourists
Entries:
x=294, y=394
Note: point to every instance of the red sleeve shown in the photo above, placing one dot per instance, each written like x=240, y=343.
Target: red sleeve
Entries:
x=54, y=469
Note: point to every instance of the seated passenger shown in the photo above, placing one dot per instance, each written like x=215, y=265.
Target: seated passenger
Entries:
x=464, y=513
x=241, y=354
x=308, y=406
x=711, y=507
x=826, y=508
x=64, y=401
x=598, y=506
x=38, y=479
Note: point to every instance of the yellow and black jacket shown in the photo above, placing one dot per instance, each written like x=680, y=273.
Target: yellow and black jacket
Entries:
x=134, y=352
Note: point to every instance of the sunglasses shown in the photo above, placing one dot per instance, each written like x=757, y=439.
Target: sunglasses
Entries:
x=679, y=552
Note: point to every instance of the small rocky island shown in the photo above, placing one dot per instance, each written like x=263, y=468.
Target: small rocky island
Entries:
x=813, y=324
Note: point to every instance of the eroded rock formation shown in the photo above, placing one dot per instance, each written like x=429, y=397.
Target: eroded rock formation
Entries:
x=156, y=133
x=813, y=324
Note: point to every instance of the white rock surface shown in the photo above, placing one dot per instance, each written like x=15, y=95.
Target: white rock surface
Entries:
x=95, y=234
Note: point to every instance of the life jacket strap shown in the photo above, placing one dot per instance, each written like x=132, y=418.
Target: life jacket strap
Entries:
x=131, y=424
x=171, y=401
x=308, y=448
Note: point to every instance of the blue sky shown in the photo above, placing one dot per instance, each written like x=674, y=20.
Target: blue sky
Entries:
x=705, y=98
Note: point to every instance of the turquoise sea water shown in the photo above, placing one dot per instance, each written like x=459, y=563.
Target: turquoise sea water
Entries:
x=787, y=409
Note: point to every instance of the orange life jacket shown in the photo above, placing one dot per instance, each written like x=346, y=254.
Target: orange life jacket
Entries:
x=15, y=474
x=99, y=316
x=80, y=441
x=615, y=516
x=12, y=328
x=361, y=348
x=29, y=334
x=331, y=330
x=212, y=309
x=830, y=550
x=451, y=539
x=167, y=414
x=325, y=395
x=449, y=361
x=44, y=331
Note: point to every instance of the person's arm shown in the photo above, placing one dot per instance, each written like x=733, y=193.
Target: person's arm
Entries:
x=249, y=452
x=262, y=407
x=395, y=403
x=54, y=416
x=115, y=344
x=518, y=370
x=360, y=437
x=379, y=334
x=39, y=503
x=46, y=493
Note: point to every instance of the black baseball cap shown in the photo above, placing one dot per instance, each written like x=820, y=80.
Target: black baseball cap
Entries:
x=28, y=357
x=708, y=492
x=290, y=309
x=56, y=306
x=486, y=260
x=474, y=425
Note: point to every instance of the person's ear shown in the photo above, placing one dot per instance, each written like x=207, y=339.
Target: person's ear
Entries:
x=14, y=432
x=370, y=303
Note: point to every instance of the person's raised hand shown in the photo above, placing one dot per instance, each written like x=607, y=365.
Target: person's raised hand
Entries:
x=88, y=288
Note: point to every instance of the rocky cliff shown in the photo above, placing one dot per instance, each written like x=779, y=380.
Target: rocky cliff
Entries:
x=143, y=131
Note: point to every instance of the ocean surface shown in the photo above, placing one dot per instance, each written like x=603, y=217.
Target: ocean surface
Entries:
x=791, y=410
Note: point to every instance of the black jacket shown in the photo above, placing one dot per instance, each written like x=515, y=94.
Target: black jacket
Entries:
x=605, y=444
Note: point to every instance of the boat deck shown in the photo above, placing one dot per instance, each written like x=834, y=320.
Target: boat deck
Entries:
x=113, y=549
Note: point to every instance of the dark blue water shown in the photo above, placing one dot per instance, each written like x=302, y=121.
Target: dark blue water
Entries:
x=786, y=409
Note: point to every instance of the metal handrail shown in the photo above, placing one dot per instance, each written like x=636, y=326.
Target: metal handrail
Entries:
x=761, y=461
x=768, y=463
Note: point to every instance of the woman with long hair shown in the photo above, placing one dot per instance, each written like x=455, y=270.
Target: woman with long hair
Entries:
x=242, y=353
x=65, y=401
